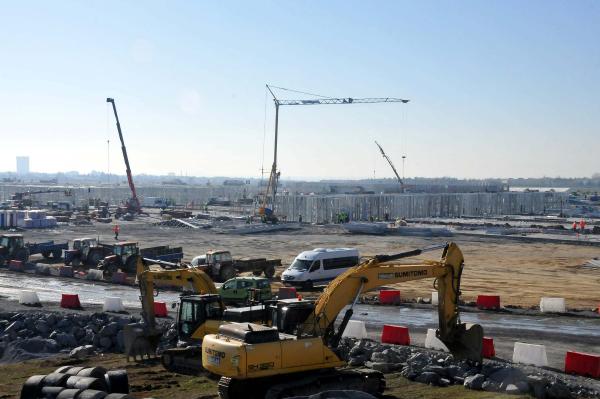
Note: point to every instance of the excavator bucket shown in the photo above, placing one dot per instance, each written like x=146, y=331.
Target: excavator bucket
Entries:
x=140, y=341
x=467, y=342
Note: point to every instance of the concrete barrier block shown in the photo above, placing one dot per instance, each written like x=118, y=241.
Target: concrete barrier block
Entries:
x=42, y=269
x=27, y=297
x=113, y=304
x=555, y=305
x=355, y=329
x=119, y=278
x=65, y=271
x=434, y=298
x=94, y=274
x=433, y=342
x=530, y=354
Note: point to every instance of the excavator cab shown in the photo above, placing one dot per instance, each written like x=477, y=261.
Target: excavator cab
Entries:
x=287, y=316
x=195, y=311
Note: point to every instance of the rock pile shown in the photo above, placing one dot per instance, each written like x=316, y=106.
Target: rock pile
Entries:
x=37, y=334
x=441, y=369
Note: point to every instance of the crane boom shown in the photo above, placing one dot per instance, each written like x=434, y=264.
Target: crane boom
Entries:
x=391, y=164
x=136, y=202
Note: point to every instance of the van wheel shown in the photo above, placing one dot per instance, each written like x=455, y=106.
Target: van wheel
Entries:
x=308, y=285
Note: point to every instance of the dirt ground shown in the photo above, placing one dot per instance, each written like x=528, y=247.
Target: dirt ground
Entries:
x=521, y=273
x=151, y=380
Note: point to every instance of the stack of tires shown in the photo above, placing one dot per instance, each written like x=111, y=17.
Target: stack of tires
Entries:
x=70, y=382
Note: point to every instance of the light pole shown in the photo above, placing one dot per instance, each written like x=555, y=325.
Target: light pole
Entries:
x=403, y=159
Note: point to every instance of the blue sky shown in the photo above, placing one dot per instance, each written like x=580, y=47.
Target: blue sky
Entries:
x=497, y=89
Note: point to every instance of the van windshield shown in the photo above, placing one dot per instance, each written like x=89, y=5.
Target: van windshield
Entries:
x=301, y=264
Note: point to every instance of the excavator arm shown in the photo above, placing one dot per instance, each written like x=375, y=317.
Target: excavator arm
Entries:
x=464, y=341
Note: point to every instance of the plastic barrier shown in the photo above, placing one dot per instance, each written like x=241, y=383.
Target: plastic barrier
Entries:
x=94, y=274
x=28, y=298
x=160, y=309
x=389, y=297
x=70, y=301
x=396, y=335
x=433, y=342
x=488, y=350
x=555, y=305
x=586, y=364
x=16, y=266
x=65, y=271
x=355, y=329
x=286, y=293
x=119, y=278
x=113, y=304
x=488, y=301
x=434, y=298
x=530, y=354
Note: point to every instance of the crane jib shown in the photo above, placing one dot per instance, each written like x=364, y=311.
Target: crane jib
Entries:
x=405, y=274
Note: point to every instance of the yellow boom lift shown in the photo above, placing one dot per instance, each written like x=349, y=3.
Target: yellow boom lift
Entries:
x=300, y=357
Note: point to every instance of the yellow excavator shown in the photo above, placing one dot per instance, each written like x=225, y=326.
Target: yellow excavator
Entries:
x=299, y=354
x=200, y=312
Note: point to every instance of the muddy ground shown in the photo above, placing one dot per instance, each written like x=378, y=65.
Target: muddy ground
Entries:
x=521, y=273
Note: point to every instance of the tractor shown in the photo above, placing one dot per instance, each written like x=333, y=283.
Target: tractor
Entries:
x=12, y=247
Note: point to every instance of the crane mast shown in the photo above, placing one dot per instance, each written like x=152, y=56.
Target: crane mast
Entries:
x=134, y=203
x=268, y=214
x=391, y=164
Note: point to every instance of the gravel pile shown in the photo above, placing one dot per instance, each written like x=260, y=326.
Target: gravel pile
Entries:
x=31, y=335
x=441, y=369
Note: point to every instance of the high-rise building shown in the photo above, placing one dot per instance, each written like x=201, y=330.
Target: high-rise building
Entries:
x=22, y=165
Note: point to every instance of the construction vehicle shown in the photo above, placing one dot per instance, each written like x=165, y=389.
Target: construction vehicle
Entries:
x=48, y=249
x=400, y=181
x=22, y=200
x=220, y=265
x=300, y=352
x=266, y=210
x=12, y=247
x=132, y=205
x=124, y=256
x=87, y=251
x=200, y=312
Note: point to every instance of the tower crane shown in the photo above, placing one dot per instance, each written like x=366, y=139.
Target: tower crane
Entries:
x=133, y=204
x=392, y=165
x=267, y=208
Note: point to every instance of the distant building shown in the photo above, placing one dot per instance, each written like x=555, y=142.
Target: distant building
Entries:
x=22, y=165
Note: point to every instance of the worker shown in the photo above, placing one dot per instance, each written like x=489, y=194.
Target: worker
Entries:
x=299, y=218
x=582, y=224
x=116, y=230
x=575, y=227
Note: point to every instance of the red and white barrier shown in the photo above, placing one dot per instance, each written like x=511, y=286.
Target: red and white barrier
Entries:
x=70, y=301
x=65, y=271
x=119, y=278
x=396, y=335
x=16, y=266
x=530, y=354
x=433, y=342
x=488, y=302
x=287, y=293
x=355, y=329
x=160, y=309
x=553, y=305
x=389, y=297
x=585, y=364
x=28, y=298
x=488, y=350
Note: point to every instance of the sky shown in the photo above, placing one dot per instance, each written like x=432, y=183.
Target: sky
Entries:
x=496, y=88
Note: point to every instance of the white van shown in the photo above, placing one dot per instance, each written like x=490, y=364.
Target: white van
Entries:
x=319, y=266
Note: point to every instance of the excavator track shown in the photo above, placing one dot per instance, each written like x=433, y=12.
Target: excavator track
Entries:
x=303, y=384
x=183, y=360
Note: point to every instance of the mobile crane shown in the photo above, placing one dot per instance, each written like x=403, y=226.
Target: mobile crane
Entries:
x=301, y=353
x=133, y=204
x=392, y=165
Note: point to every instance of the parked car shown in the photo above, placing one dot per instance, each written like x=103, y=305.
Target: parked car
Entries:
x=319, y=266
x=237, y=290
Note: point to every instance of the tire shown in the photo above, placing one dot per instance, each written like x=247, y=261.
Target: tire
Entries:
x=76, y=262
x=92, y=394
x=63, y=369
x=94, y=257
x=257, y=272
x=227, y=272
x=2, y=260
x=51, y=392
x=56, y=380
x=96, y=372
x=74, y=370
x=78, y=382
x=270, y=271
x=46, y=254
x=118, y=381
x=118, y=396
x=130, y=265
x=57, y=254
x=308, y=285
x=68, y=394
x=167, y=360
x=32, y=387
x=22, y=255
